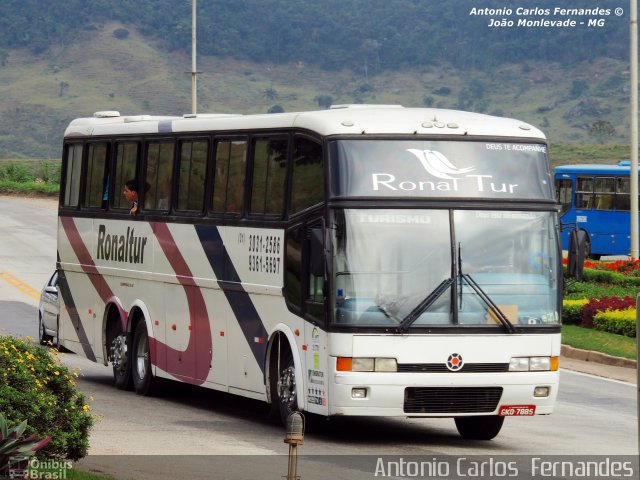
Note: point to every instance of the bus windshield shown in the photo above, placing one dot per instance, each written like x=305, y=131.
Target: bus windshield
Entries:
x=438, y=169
x=389, y=262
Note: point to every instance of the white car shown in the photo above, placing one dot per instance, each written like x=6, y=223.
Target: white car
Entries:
x=48, y=313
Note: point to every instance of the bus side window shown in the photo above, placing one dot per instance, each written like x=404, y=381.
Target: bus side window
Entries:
x=294, y=267
x=623, y=197
x=565, y=194
x=584, y=193
x=304, y=287
x=125, y=168
x=72, y=169
x=191, y=175
x=314, y=263
x=159, y=175
x=96, y=175
x=230, y=171
x=269, y=174
x=307, y=181
x=604, y=189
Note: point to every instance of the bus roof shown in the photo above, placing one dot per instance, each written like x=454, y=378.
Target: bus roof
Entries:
x=338, y=120
x=621, y=168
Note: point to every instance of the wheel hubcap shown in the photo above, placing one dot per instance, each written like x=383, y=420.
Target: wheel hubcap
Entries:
x=119, y=353
x=287, y=387
x=142, y=355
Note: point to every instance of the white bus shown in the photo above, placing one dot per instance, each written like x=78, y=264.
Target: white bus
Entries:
x=363, y=260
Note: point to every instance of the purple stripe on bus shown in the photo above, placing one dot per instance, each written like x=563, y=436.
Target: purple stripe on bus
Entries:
x=191, y=365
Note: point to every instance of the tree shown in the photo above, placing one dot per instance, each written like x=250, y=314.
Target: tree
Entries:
x=270, y=93
x=121, y=33
x=324, y=101
x=578, y=87
x=276, y=109
x=602, y=130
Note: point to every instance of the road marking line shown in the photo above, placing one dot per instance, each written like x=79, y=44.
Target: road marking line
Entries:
x=20, y=285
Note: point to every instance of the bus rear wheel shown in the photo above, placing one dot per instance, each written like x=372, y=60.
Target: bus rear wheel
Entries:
x=479, y=428
x=143, y=379
x=119, y=357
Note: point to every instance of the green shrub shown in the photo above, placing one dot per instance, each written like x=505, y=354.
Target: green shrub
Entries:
x=36, y=387
x=622, y=322
x=572, y=310
x=579, y=290
x=29, y=188
x=17, y=173
x=49, y=172
x=606, y=276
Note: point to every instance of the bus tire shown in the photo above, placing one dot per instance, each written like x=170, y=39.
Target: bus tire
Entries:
x=120, y=360
x=143, y=379
x=286, y=398
x=479, y=428
x=588, y=252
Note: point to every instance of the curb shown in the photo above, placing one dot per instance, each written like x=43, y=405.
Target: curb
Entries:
x=597, y=357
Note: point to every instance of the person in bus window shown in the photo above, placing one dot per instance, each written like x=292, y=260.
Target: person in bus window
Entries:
x=131, y=194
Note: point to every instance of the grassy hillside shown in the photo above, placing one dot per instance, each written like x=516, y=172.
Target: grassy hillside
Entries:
x=41, y=94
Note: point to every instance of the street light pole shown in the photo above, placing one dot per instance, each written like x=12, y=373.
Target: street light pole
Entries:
x=633, y=38
x=194, y=73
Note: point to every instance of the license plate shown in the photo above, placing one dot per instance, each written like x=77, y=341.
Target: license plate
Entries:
x=517, y=410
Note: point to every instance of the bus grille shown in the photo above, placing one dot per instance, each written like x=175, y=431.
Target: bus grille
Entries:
x=451, y=399
x=442, y=368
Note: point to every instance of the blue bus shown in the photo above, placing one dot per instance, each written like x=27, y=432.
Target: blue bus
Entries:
x=596, y=199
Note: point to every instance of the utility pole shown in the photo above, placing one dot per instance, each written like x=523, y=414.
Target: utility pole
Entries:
x=194, y=73
x=633, y=36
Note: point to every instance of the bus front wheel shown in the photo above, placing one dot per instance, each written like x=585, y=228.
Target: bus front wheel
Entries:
x=479, y=428
x=286, y=392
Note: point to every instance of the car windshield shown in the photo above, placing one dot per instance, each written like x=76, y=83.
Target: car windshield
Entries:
x=415, y=268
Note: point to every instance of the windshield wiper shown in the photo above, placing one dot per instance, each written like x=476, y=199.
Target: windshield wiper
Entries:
x=490, y=303
x=502, y=318
x=424, y=305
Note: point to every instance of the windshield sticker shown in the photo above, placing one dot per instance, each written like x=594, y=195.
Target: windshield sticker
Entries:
x=395, y=218
x=437, y=165
x=515, y=147
x=507, y=215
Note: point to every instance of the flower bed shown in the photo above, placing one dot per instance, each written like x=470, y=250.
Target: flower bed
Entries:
x=607, y=293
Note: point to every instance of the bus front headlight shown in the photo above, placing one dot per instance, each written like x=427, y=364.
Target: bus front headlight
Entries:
x=346, y=364
x=533, y=364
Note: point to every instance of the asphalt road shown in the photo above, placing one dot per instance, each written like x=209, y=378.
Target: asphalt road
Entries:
x=195, y=433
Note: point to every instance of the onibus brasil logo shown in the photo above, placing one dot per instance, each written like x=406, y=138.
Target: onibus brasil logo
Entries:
x=449, y=177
